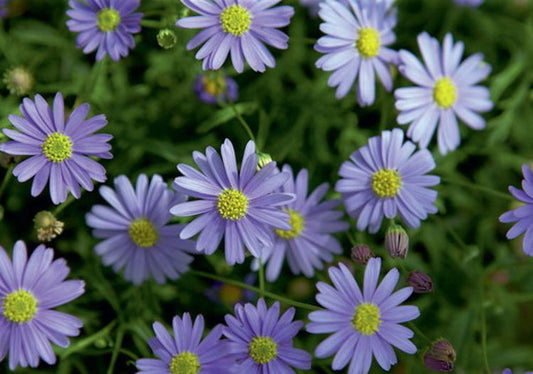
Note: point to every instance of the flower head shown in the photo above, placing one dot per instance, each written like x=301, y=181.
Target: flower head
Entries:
x=105, y=26
x=239, y=205
x=238, y=28
x=421, y=282
x=210, y=88
x=361, y=254
x=19, y=81
x=364, y=324
x=440, y=356
x=60, y=150
x=387, y=178
x=309, y=243
x=355, y=46
x=446, y=89
x=522, y=216
x=29, y=290
x=186, y=352
x=4, y=11
x=136, y=229
x=397, y=241
x=261, y=340
x=47, y=226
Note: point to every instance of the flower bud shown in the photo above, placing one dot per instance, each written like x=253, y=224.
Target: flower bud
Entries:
x=263, y=160
x=166, y=38
x=440, y=356
x=18, y=81
x=397, y=241
x=421, y=282
x=361, y=253
x=47, y=226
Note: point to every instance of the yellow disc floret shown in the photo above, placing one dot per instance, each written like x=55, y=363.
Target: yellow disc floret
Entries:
x=235, y=20
x=297, y=222
x=143, y=233
x=366, y=318
x=57, y=147
x=445, y=93
x=232, y=204
x=263, y=349
x=19, y=306
x=386, y=183
x=368, y=42
x=214, y=86
x=108, y=19
x=185, y=363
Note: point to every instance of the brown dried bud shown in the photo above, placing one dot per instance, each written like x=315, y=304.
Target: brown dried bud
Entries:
x=361, y=254
x=421, y=282
x=440, y=356
x=47, y=226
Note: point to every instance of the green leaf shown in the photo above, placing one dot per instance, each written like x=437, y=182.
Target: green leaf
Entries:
x=226, y=114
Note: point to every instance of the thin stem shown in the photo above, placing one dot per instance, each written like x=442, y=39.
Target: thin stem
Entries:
x=483, y=332
x=151, y=24
x=81, y=344
x=351, y=238
x=63, y=205
x=6, y=180
x=116, y=350
x=242, y=121
x=255, y=289
x=418, y=332
x=261, y=278
x=476, y=187
x=452, y=232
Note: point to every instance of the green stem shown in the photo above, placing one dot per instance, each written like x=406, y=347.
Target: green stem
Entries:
x=116, y=350
x=418, y=332
x=151, y=24
x=6, y=180
x=483, y=332
x=261, y=277
x=242, y=121
x=63, y=205
x=476, y=187
x=452, y=232
x=80, y=345
x=271, y=295
x=351, y=238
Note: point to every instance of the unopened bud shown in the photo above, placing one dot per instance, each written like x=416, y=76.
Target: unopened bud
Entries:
x=263, y=160
x=440, y=356
x=361, y=254
x=421, y=282
x=397, y=241
x=166, y=38
x=18, y=81
x=47, y=226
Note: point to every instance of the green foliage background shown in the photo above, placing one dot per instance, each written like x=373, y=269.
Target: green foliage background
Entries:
x=481, y=279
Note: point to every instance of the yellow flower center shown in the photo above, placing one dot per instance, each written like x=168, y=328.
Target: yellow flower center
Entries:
x=57, y=147
x=297, y=222
x=143, y=233
x=19, y=306
x=445, y=93
x=386, y=183
x=108, y=19
x=368, y=42
x=232, y=204
x=215, y=86
x=366, y=319
x=263, y=349
x=185, y=363
x=235, y=20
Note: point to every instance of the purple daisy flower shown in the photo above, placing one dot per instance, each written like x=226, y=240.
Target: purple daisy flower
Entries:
x=261, y=340
x=309, y=243
x=238, y=205
x=137, y=235
x=106, y=25
x=228, y=294
x=239, y=28
x=387, y=178
x=469, y=3
x=446, y=89
x=186, y=352
x=212, y=88
x=4, y=8
x=355, y=45
x=60, y=150
x=364, y=324
x=29, y=290
x=523, y=216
